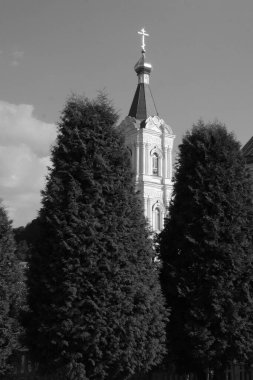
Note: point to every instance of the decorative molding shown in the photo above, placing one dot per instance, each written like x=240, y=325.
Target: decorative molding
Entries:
x=157, y=124
x=167, y=128
x=158, y=204
x=153, y=123
x=157, y=150
x=153, y=194
x=152, y=140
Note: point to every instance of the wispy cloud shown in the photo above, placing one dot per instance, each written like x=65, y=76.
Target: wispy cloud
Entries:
x=17, y=57
x=24, y=157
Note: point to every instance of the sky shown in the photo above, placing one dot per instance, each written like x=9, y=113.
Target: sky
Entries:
x=202, y=57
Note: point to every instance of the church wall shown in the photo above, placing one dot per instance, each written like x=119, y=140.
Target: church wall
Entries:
x=144, y=143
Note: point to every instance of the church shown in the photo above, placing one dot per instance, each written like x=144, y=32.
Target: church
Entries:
x=150, y=143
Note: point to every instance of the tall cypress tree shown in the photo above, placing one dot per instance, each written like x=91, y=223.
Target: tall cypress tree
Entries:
x=206, y=250
x=96, y=305
x=10, y=276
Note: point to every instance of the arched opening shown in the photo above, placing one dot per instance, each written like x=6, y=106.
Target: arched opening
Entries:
x=155, y=164
x=157, y=219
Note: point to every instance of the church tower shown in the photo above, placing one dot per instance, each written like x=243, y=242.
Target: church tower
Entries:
x=150, y=142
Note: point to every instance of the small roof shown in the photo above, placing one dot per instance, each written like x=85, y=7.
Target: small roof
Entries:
x=143, y=104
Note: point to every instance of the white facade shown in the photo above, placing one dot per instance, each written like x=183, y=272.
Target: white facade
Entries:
x=150, y=144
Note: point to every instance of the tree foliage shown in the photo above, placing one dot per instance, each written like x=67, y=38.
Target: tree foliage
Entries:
x=206, y=251
x=96, y=305
x=10, y=279
x=25, y=238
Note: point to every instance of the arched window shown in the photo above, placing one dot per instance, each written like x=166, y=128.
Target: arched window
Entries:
x=157, y=219
x=155, y=164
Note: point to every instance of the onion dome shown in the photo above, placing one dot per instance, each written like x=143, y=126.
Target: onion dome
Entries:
x=142, y=67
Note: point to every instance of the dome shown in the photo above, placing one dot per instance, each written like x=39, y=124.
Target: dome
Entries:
x=142, y=66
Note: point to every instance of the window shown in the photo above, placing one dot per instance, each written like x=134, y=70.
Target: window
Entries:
x=155, y=164
x=157, y=219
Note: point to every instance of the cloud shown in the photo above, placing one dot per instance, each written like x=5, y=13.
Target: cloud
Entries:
x=24, y=156
x=19, y=126
x=17, y=56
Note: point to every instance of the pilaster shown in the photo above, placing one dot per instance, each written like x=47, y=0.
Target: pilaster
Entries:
x=142, y=158
x=137, y=162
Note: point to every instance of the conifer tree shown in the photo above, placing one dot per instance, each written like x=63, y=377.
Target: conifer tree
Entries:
x=97, y=310
x=206, y=251
x=10, y=276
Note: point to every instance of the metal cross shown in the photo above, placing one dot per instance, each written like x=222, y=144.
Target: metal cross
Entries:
x=143, y=33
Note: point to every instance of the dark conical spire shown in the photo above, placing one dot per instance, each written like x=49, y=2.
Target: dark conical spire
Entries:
x=143, y=104
x=247, y=151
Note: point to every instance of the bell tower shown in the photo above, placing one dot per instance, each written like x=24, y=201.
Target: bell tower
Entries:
x=150, y=142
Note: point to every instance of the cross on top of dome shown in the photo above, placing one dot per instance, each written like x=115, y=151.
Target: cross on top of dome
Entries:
x=143, y=34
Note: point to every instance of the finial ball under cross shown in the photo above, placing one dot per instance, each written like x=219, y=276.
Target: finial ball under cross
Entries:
x=143, y=33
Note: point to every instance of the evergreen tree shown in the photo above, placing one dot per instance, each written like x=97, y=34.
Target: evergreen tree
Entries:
x=96, y=305
x=10, y=276
x=206, y=251
x=25, y=238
